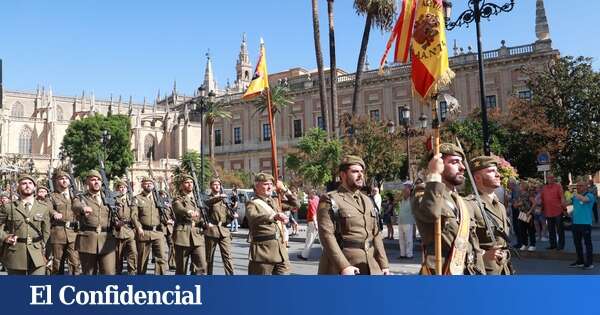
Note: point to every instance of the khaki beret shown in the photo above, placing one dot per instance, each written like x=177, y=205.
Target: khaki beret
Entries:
x=263, y=177
x=184, y=177
x=119, y=182
x=26, y=176
x=147, y=179
x=43, y=187
x=4, y=194
x=214, y=179
x=352, y=160
x=451, y=149
x=59, y=173
x=93, y=173
x=482, y=162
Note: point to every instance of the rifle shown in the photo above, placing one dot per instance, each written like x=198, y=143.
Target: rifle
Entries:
x=160, y=202
x=129, y=187
x=198, y=194
x=50, y=182
x=109, y=198
x=75, y=193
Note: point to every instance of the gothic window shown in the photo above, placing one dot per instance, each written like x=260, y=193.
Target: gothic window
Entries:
x=25, y=141
x=149, y=148
x=59, y=113
x=17, y=110
x=246, y=75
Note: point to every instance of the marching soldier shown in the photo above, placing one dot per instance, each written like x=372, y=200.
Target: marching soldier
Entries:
x=169, y=230
x=348, y=226
x=187, y=236
x=268, y=253
x=95, y=243
x=128, y=220
x=4, y=198
x=460, y=248
x=217, y=232
x=24, y=230
x=42, y=193
x=65, y=225
x=487, y=180
x=150, y=231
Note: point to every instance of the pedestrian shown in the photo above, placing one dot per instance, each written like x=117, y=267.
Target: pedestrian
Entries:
x=539, y=219
x=514, y=197
x=582, y=201
x=406, y=222
x=387, y=207
x=219, y=215
x=553, y=203
x=526, y=225
x=294, y=214
x=348, y=229
x=312, y=228
x=234, y=198
x=594, y=190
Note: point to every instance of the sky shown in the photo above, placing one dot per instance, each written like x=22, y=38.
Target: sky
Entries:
x=140, y=47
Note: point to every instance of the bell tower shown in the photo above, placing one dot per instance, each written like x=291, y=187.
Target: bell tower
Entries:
x=243, y=67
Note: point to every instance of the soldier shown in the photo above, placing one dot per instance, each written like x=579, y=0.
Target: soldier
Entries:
x=4, y=198
x=150, y=231
x=169, y=230
x=24, y=230
x=460, y=248
x=42, y=193
x=268, y=253
x=348, y=226
x=95, y=243
x=125, y=234
x=65, y=225
x=217, y=233
x=487, y=180
x=188, y=237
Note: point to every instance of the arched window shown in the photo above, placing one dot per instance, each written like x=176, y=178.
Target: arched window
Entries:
x=149, y=148
x=17, y=110
x=59, y=113
x=25, y=141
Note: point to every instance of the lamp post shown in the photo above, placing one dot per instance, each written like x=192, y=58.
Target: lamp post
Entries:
x=104, y=139
x=409, y=131
x=201, y=106
x=477, y=9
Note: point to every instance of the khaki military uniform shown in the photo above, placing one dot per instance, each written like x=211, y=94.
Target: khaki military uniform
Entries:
x=154, y=235
x=268, y=253
x=95, y=243
x=63, y=234
x=218, y=234
x=501, y=227
x=125, y=235
x=188, y=237
x=359, y=242
x=437, y=200
x=170, y=228
x=31, y=225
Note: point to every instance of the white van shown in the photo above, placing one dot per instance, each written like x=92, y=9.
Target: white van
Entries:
x=243, y=196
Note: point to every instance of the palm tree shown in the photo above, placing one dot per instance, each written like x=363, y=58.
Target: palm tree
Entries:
x=212, y=112
x=380, y=14
x=332, y=72
x=280, y=99
x=319, y=55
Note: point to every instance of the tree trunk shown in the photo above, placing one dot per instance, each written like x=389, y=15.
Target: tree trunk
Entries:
x=211, y=149
x=333, y=73
x=361, y=62
x=319, y=54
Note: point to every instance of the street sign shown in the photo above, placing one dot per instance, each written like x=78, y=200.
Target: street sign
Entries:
x=543, y=158
x=543, y=168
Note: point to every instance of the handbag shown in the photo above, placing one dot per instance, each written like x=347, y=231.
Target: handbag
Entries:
x=524, y=216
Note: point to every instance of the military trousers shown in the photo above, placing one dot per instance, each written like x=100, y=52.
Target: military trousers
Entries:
x=197, y=256
x=31, y=269
x=93, y=264
x=158, y=248
x=126, y=249
x=224, y=244
x=65, y=253
x=257, y=268
x=171, y=248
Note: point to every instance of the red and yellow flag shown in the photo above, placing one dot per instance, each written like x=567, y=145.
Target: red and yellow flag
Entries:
x=429, y=53
x=401, y=34
x=260, y=80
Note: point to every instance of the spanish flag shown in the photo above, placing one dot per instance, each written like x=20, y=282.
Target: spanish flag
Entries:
x=401, y=34
x=260, y=80
x=429, y=53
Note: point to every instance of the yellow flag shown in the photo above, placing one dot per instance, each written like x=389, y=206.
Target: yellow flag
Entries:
x=260, y=80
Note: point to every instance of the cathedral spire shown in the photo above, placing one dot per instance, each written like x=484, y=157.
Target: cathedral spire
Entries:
x=542, y=30
x=144, y=105
x=243, y=67
x=119, y=105
x=209, y=79
x=110, y=105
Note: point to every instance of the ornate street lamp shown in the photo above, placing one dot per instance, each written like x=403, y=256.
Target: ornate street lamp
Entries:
x=104, y=139
x=409, y=131
x=201, y=106
x=477, y=9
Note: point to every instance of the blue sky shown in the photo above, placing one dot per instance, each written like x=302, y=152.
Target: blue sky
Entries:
x=138, y=47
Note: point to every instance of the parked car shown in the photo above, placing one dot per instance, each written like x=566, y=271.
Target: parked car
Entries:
x=243, y=196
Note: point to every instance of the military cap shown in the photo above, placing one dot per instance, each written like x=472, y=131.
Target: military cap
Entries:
x=352, y=160
x=119, y=182
x=147, y=179
x=214, y=179
x=93, y=173
x=263, y=177
x=4, y=194
x=481, y=162
x=26, y=176
x=451, y=149
x=43, y=187
x=59, y=173
x=185, y=177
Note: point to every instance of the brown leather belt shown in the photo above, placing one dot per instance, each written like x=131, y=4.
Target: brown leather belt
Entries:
x=73, y=225
x=263, y=238
x=97, y=229
x=29, y=240
x=153, y=228
x=358, y=244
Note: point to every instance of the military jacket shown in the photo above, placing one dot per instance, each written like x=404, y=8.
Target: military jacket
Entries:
x=437, y=201
x=499, y=224
x=32, y=228
x=267, y=244
x=149, y=217
x=63, y=231
x=187, y=230
x=95, y=233
x=361, y=243
x=128, y=216
x=218, y=216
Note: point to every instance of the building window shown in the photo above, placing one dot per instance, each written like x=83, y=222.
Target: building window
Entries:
x=525, y=95
x=297, y=128
x=443, y=110
x=490, y=101
x=320, y=122
x=218, y=138
x=266, y=130
x=17, y=110
x=237, y=135
x=25, y=141
x=149, y=148
x=374, y=114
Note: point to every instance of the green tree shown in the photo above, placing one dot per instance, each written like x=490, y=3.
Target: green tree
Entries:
x=214, y=111
x=82, y=144
x=280, y=99
x=192, y=157
x=316, y=159
x=319, y=56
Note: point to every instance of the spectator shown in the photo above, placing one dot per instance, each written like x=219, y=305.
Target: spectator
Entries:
x=582, y=202
x=515, y=194
x=594, y=190
x=406, y=223
x=526, y=226
x=312, y=228
x=234, y=198
x=538, y=216
x=388, y=213
x=553, y=203
x=376, y=197
x=294, y=214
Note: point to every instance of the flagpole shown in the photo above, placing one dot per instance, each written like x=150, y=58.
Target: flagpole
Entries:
x=274, y=164
x=435, y=143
